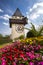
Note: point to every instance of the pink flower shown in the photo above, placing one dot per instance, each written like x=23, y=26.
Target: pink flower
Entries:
x=21, y=64
x=28, y=53
x=3, y=61
x=17, y=51
x=25, y=59
x=40, y=63
x=31, y=63
x=32, y=52
x=14, y=63
x=37, y=55
x=32, y=57
x=42, y=57
x=39, y=46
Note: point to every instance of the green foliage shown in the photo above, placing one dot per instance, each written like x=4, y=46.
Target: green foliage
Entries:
x=40, y=31
x=1, y=35
x=41, y=42
x=26, y=63
x=0, y=61
x=20, y=37
x=30, y=34
x=5, y=39
x=34, y=31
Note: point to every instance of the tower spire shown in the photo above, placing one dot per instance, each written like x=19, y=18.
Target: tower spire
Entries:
x=18, y=13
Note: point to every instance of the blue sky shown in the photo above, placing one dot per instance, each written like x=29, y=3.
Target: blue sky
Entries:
x=33, y=9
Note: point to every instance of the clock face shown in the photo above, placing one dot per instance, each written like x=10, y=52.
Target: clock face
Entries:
x=19, y=28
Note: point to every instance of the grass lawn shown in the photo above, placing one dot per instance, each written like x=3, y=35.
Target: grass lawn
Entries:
x=3, y=45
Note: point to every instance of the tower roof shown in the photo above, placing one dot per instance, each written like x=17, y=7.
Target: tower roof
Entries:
x=21, y=20
x=18, y=13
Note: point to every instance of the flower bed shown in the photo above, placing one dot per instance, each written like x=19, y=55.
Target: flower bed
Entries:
x=20, y=53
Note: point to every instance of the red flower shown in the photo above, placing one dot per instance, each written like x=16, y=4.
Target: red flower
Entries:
x=3, y=55
x=9, y=57
x=15, y=50
x=16, y=55
x=21, y=55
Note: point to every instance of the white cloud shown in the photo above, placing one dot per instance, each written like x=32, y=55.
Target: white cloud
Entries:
x=25, y=32
x=5, y=17
x=40, y=11
x=36, y=26
x=5, y=23
x=35, y=6
x=36, y=11
x=34, y=16
x=1, y=10
x=40, y=4
x=29, y=21
x=6, y=32
x=30, y=9
x=27, y=16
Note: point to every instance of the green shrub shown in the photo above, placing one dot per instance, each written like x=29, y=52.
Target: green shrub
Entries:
x=41, y=42
x=20, y=37
x=30, y=34
x=5, y=39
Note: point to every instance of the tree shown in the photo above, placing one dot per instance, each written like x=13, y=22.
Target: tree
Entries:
x=1, y=35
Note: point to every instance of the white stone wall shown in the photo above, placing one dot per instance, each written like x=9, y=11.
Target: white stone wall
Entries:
x=14, y=33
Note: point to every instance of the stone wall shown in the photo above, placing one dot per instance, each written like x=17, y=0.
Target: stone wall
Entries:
x=14, y=33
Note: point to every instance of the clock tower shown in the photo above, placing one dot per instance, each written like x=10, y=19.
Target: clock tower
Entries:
x=17, y=23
